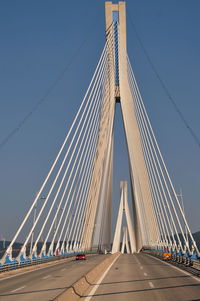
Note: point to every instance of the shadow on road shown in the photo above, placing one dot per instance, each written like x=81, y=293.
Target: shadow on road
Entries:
x=143, y=290
x=34, y=291
x=146, y=279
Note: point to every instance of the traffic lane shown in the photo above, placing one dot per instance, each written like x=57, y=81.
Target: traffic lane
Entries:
x=46, y=284
x=124, y=278
x=40, y=271
x=169, y=282
x=141, y=277
x=18, y=279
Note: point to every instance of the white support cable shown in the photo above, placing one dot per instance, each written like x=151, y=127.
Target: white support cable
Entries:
x=151, y=226
x=155, y=196
x=55, y=180
x=44, y=245
x=58, y=242
x=159, y=219
x=70, y=234
x=75, y=213
x=156, y=180
x=146, y=150
x=143, y=143
x=83, y=211
x=89, y=158
x=88, y=205
x=38, y=218
x=86, y=144
x=9, y=249
x=142, y=211
x=81, y=186
x=77, y=141
x=138, y=197
x=162, y=172
x=105, y=198
x=165, y=196
x=84, y=194
x=110, y=122
x=109, y=132
x=76, y=223
x=150, y=177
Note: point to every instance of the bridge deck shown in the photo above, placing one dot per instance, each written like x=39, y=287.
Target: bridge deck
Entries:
x=132, y=277
x=46, y=283
x=141, y=277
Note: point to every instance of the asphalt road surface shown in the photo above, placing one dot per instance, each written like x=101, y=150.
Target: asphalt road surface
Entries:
x=141, y=277
x=46, y=283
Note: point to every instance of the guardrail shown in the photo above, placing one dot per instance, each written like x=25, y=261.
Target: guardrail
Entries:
x=14, y=265
x=185, y=262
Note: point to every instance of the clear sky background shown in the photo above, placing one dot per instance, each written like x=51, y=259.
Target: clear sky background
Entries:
x=38, y=39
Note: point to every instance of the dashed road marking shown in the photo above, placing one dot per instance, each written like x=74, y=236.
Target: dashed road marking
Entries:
x=69, y=259
x=46, y=277
x=151, y=285
x=145, y=274
x=17, y=289
x=174, y=267
x=137, y=260
x=95, y=286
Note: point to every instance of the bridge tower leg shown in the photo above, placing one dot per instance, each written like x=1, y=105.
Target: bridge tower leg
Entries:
x=138, y=171
x=129, y=230
x=97, y=226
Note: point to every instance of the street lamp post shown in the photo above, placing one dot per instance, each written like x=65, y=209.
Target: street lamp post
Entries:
x=34, y=218
x=183, y=208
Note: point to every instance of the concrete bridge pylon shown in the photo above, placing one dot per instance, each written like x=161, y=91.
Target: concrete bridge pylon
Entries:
x=128, y=230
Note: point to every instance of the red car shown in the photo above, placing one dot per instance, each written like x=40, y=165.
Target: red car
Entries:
x=80, y=257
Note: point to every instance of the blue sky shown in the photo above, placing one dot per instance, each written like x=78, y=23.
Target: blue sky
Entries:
x=38, y=40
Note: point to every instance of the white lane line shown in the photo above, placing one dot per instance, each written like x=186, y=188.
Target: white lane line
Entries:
x=46, y=277
x=137, y=260
x=151, y=285
x=63, y=270
x=176, y=268
x=145, y=274
x=17, y=289
x=95, y=287
x=34, y=270
x=141, y=267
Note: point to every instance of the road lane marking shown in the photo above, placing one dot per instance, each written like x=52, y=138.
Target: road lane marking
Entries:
x=176, y=268
x=145, y=274
x=63, y=270
x=34, y=270
x=95, y=287
x=46, y=277
x=151, y=285
x=137, y=260
x=17, y=289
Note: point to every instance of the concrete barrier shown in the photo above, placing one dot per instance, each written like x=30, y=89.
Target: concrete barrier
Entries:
x=78, y=289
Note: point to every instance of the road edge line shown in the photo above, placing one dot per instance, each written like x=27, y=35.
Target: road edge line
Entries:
x=175, y=267
x=93, y=290
x=78, y=290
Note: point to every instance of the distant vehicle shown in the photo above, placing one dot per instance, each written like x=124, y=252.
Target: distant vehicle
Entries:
x=167, y=256
x=80, y=257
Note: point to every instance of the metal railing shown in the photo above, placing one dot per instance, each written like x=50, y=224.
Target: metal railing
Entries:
x=184, y=262
x=18, y=265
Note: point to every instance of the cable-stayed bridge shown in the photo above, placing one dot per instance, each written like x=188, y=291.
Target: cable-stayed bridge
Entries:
x=72, y=211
